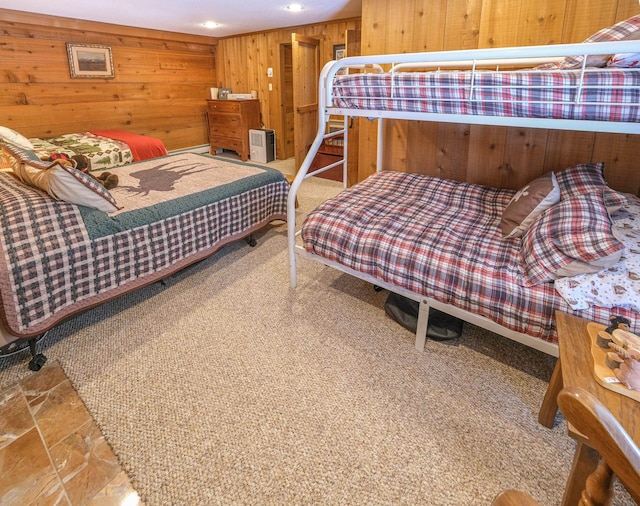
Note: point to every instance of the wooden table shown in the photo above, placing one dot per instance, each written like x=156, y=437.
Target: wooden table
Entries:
x=575, y=368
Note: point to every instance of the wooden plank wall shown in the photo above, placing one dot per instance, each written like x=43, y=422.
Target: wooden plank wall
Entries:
x=161, y=83
x=243, y=62
x=496, y=156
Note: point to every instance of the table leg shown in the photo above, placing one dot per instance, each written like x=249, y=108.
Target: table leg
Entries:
x=549, y=407
x=585, y=461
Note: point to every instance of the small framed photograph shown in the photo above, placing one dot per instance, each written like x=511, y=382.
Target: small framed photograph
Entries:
x=90, y=60
x=339, y=51
x=223, y=94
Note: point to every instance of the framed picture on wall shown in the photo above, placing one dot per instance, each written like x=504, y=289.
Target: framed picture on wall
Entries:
x=90, y=60
x=339, y=52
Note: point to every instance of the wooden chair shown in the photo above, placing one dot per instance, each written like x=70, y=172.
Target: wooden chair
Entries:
x=619, y=454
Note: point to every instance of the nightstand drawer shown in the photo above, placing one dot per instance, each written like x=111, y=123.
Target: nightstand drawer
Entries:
x=226, y=143
x=226, y=119
x=227, y=129
x=224, y=106
x=225, y=122
x=234, y=132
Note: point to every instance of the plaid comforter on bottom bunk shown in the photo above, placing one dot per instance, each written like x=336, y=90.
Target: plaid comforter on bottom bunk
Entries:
x=441, y=239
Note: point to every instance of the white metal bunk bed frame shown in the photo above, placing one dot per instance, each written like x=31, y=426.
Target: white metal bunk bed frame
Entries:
x=475, y=59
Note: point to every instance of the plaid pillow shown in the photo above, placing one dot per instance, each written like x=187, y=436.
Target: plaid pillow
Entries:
x=585, y=178
x=572, y=237
x=629, y=29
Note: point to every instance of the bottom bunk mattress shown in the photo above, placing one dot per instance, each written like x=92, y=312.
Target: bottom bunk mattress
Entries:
x=440, y=239
x=58, y=259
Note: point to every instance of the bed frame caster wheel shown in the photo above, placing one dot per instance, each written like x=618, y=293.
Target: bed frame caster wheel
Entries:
x=18, y=346
x=37, y=359
x=36, y=363
x=251, y=241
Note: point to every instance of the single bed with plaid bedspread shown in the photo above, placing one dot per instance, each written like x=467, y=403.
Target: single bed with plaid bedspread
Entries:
x=59, y=259
x=440, y=239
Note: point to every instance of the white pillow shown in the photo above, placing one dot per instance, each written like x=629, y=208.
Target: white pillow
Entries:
x=624, y=60
x=13, y=137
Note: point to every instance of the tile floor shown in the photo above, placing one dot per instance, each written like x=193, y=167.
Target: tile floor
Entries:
x=51, y=451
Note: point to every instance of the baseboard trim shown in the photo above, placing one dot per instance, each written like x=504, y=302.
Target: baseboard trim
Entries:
x=202, y=148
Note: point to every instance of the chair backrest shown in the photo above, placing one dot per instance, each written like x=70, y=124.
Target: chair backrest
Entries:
x=590, y=417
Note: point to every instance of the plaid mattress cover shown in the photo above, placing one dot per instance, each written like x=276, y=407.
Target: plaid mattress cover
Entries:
x=441, y=239
x=51, y=269
x=607, y=95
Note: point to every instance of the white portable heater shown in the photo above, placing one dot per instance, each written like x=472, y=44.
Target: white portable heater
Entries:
x=262, y=145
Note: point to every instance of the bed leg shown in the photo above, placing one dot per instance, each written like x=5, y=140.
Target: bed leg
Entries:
x=19, y=345
x=423, y=321
x=251, y=240
x=37, y=359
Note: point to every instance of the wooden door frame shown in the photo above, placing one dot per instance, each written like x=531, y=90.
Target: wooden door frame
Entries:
x=296, y=39
x=282, y=142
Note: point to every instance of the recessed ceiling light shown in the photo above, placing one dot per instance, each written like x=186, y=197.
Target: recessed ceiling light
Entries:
x=210, y=24
x=294, y=7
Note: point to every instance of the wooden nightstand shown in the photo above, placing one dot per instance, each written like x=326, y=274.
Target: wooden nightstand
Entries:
x=229, y=124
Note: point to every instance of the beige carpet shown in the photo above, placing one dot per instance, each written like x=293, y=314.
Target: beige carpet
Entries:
x=226, y=387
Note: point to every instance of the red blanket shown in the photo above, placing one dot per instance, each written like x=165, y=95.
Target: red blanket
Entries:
x=142, y=147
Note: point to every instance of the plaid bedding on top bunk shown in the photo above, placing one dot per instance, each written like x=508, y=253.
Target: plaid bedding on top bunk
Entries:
x=604, y=95
x=441, y=239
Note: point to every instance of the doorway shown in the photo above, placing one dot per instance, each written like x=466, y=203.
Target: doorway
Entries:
x=299, y=104
x=306, y=70
x=286, y=100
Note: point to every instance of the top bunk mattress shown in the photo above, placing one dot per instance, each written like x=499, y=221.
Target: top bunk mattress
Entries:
x=597, y=94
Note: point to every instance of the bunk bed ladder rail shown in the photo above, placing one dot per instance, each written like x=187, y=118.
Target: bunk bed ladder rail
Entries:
x=324, y=95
